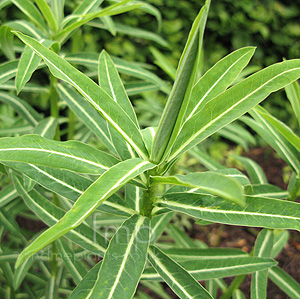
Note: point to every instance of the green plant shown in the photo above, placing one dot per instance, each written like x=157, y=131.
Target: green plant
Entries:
x=86, y=180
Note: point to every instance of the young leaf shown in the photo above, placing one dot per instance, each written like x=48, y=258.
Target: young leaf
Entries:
x=233, y=103
x=293, y=93
x=8, y=70
x=217, y=79
x=174, y=110
x=111, y=181
x=110, y=110
x=70, y=155
x=83, y=289
x=254, y=171
x=124, y=260
x=258, y=212
x=87, y=114
x=22, y=107
x=285, y=282
x=48, y=15
x=57, y=7
x=84, y=235
x=31, y=12
x=180, y=281
x=262, y=248
x=211, y=182
x=7, y=42
x=211, y=269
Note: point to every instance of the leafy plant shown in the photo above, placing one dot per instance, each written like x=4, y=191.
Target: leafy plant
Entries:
x=86, y=180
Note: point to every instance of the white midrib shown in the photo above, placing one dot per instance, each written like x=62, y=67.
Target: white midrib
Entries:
x=49, y=124
x=95, y=104
x=127, y=252
x=204, y=209
x=55, y=153
x=8, y=195
x=212, y=87
x=165, y=270
x=85, y=113
x=116, y=185
x=283, y=282
x=22, y=108
x=224, y=113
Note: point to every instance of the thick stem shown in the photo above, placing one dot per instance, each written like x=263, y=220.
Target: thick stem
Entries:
x=54, y=107
x=148, y=201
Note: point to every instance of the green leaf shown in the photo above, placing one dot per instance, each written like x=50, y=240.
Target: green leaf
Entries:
x=70, y=155
x=266, y=190
x=285, y=282
x=7, y=42
x=262, y=248
x=57, y=6
x=258, y=212
x=46, y=127
x=7, y=194
x=124, y=260
x=254, y=171
x=158, y=225
x=171, y=118
x=217, y=79
x=27, y=28
x=281, y=143
x=8, y=70
x=293, y=93
x=83, y=289
x=188, y=253
x=111, y=181
x=233, y=103
x=28, y=63
x=86, y=113
x=281, y=237
x=111, y=10
x=180, y=238
x=210, y=269
x=48, y=15
x=84, y=235
x=31, y=12
x=21, y=272
x=93, y=93
x=22, y=107
x=179, y=280
x=211, y=182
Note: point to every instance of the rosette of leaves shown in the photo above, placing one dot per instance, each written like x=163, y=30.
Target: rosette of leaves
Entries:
x=87, y=180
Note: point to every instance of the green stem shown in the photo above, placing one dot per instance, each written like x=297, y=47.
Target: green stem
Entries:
x=233, y=286
x=71, y=126
x=148, y=201
x=295, y=192
x=54, y=107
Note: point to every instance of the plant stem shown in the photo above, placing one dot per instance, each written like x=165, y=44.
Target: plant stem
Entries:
x=54, y=107
x=233, y=286
x=148, y=200
x=71, y=126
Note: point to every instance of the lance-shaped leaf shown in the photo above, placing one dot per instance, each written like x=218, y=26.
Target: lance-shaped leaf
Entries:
x=217, y=79
x=171, y=119
x=277, y=139
x=258, y=212
x=266, y=190
x=57, y=7
x=8, y=70
x=188, y=253
x=21, y=272
x=31, y=12
x=158, y=225
x=233, y=103
x=211, y=269
x=110, y=182
x=180, y=238
x=28, y=63
x=211, y=182
x=110, y=81
x=48, y=15
x=27, y=28
x=83, y=289
x=7, y=42
x=109, y=109
x=22, y=107
x=46, y=127
x=87, y=114
x=281, y=237
x=293, y=93
x=111, y=10
x=70, y=155
x=7, y=194
x=68, y=184
x=179, y=280
x=254, y=171
x=74, y=266
x=84, y=235
x=285, y=282
x=124, y=260
x=262, y=248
